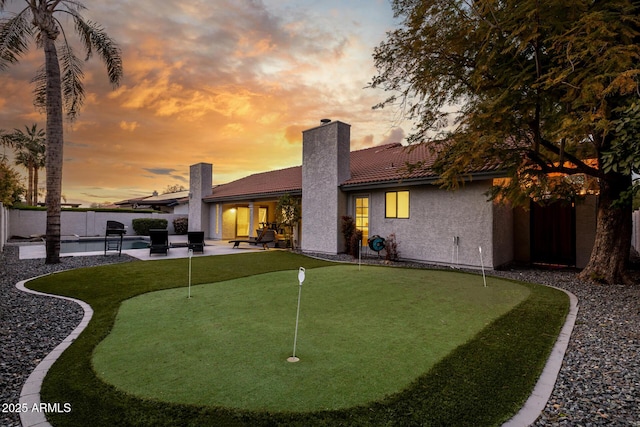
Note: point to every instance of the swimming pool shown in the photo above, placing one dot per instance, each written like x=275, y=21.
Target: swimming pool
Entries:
x=97, y=244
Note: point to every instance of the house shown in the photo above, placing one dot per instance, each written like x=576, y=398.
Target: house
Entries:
x=371, y=185
x=175, y=203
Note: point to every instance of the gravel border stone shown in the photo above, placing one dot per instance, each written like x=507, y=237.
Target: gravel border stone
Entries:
x=32, y=326
x=598, y=384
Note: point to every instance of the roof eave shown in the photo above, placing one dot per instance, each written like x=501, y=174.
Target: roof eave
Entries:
x=430, y=180
x=253, y=196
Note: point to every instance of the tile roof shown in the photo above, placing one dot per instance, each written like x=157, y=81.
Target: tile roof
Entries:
x=381, y=164
x=388, y=163
x=260, y=184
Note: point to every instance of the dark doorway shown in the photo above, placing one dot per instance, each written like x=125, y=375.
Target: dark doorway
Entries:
x=553, y=233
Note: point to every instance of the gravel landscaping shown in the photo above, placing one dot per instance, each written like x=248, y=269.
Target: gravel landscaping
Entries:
x=599, y=383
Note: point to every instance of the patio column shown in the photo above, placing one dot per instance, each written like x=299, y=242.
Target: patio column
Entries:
x=251, y=222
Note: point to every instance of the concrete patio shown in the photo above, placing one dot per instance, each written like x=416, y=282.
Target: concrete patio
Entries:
x=212, y=247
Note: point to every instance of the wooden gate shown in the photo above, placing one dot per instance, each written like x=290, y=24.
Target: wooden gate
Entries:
x=553, y=233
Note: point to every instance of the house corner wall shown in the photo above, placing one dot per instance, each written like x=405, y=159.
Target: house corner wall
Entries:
x=200, y=184
x=325, y=165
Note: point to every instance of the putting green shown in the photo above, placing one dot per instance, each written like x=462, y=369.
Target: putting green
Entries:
x=363, y=335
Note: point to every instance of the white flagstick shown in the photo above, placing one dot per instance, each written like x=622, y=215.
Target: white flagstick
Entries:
x=293, y=358
x=190, y=255
x=359, y=254
x=484, y=279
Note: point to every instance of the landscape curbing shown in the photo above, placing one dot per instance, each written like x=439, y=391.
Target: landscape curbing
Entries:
x=30, y=394
x=541, y=393
x=528, y=414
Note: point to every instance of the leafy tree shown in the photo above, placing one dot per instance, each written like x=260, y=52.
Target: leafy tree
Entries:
x=11, y=190
x=58, y=85
x=538, y=87
x=174, y=188
x=6, y=142
x=288, y=213
x=30, y=153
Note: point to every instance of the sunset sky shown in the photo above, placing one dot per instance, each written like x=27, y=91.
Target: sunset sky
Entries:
x=228, y=82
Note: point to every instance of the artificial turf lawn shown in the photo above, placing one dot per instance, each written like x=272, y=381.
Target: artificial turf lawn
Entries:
x=364, y=334
x=481, y=383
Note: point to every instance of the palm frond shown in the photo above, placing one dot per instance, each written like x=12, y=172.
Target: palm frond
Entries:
x=15, y=33
x=73, y=5
x=73, y=94
x=93, y=37
x=39, y=82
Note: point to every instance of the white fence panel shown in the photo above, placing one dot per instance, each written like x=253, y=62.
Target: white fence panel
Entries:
x=4, y=226
x=26, y=223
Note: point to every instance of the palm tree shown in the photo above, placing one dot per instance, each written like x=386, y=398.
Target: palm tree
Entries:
x=58, y=85
x=30, y=153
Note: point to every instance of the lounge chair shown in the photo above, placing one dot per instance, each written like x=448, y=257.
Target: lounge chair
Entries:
x=266, y=236
x=195, y=241
x=159, y=241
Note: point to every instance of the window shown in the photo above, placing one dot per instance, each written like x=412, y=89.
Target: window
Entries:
x=242, y=222
x=362, y=216
x=262, y=216
x=397, y=204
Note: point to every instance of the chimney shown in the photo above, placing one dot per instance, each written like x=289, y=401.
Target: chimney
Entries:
x=200, y=185
x=325, y=166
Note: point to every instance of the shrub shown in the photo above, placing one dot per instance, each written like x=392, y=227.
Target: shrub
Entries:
x=355, y=243
x=391, y=248
x=181, y=225
x=348, y=227
x=142, y=225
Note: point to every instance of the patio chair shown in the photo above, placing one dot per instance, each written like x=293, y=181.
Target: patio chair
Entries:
x=113, y=236
x=266, y=236
x=159, y=241
x=195, y=241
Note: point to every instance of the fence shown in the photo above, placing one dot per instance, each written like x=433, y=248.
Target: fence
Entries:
x=635, y=233
x=4, y=226
x=26, y=223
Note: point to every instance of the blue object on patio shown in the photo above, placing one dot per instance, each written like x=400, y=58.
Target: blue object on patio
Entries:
x=376, y=243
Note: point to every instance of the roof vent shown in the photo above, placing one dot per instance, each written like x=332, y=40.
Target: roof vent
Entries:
x=325, y=121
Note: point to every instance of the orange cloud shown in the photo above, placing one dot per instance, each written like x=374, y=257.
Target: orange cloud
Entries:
x=128, y=126
x=210, y=83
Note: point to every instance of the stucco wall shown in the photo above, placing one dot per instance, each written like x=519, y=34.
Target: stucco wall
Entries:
x=436, y=216
x=200, y=184
x=26, y=223
x=325, y=165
